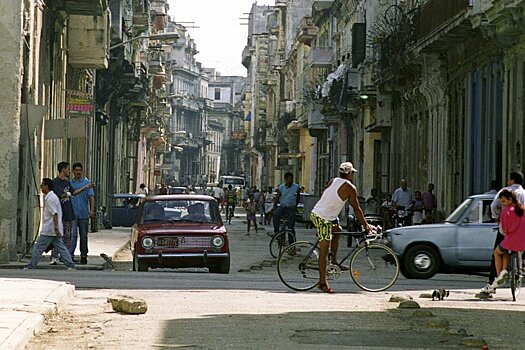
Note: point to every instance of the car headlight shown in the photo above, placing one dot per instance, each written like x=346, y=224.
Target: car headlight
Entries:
x=147, y=242
x=217, y=241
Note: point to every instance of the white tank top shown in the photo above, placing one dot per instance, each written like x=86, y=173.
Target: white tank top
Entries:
x=330, y=204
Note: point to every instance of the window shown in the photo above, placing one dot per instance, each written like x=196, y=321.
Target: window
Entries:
x=217, y=94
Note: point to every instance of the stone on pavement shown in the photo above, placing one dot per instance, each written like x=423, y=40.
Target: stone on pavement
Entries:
x=396, y=298
x=128, y=305
x=409, y=304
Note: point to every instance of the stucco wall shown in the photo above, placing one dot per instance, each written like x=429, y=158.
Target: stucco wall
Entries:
x=10, y=80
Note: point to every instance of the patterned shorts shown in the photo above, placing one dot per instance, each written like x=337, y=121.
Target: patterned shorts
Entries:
x=323, y=226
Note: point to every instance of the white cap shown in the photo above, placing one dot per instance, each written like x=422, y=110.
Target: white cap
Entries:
x=347, y=168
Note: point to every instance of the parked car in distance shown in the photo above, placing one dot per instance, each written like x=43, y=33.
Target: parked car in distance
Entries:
x=178, y=190
x=464, y=241
x=123, y=209
x=183, y=230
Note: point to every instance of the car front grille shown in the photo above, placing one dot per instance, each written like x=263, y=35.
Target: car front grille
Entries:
x=183, y=242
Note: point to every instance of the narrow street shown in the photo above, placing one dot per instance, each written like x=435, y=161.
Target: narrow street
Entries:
x=252, y=309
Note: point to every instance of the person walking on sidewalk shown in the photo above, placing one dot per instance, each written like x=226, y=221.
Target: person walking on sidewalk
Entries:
x=62, y=188
x=51, y=229
x=325, y=213
x=84, y=208
x=251, y=207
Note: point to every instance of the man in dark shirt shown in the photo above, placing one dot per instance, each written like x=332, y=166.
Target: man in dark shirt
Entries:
x=63, y=189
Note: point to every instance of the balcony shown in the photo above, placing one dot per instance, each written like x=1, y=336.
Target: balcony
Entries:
x=86, y=7
x=434, y=14
x=246, y=56
x=88, y=41
x=321, y=57
x=307, y=31
x=380, y=118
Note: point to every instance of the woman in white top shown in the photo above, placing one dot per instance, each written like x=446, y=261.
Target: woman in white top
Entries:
x=324, y=217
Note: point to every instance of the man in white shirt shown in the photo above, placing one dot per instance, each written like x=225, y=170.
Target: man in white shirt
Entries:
x=218, y=193
x=404, y=196
x=325, y=213
x=51, y=231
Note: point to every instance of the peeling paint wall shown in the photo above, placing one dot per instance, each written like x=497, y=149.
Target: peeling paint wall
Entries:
x=10, y=81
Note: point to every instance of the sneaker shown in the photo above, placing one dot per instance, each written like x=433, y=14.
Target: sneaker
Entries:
x=83, y=260
x=71, y=268
x=501, y=279
x=54, y=261
x=488, y=289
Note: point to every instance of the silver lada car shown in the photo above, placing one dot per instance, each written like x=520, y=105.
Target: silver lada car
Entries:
x=463, y=242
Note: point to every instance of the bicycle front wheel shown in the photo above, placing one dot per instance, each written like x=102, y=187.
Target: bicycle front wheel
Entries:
x=374, y=268
x=515, y=276
x=279, y=242
x=298, y=266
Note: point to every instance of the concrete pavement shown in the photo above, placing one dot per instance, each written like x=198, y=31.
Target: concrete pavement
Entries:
x=25, y=302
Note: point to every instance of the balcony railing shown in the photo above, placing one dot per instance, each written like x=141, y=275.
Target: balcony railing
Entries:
x=435, y=13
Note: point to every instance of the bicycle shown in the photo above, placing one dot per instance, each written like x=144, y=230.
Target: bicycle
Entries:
x=373, y=266
x=283, y=225
x=515, y=265
x=279, y=241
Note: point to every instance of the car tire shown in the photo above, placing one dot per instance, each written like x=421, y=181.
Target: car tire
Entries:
x=138, y=265
x=421, y=262
x=222, y=267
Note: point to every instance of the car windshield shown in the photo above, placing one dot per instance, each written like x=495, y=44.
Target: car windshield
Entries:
x=458, y=213
x=181, y=210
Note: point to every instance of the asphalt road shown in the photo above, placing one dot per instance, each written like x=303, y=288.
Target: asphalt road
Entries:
x=251, y=309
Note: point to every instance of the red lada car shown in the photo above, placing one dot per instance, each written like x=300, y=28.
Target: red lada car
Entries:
x=183, y=230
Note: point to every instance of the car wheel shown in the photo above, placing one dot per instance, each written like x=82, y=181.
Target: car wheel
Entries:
x=420, y=261
x=222, y=267
x=139, y=265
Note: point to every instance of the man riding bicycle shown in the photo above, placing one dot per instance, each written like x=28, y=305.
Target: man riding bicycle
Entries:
x=325, y=217
x=231, y=199
x=285, y=204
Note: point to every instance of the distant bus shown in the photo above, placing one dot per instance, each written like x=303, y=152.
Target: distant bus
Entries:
x=235, y=181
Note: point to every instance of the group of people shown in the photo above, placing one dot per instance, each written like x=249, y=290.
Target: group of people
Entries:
x=422, y=206
x=253, y=200
x=68, y=205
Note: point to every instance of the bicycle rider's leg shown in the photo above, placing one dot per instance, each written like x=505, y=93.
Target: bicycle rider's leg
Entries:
x=324, y=233
x=499, y=260
x=335, y=242
x=493, y=275
x=277, y=218
x=290, y=223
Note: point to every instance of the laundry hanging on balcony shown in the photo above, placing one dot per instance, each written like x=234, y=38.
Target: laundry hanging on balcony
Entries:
x=339, y=72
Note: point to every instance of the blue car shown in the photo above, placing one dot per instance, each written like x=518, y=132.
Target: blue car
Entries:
x=124, y=209
x=464, y=241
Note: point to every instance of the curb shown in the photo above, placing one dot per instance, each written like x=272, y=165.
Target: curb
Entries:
x=60, y=297
x=24, y=332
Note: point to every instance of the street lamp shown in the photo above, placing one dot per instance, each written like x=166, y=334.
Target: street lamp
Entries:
x=159, y=36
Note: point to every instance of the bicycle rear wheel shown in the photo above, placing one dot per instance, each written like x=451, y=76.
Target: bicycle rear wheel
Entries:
x=515, y=276
x=298, y=266
x=374, y=268
x=279, y=242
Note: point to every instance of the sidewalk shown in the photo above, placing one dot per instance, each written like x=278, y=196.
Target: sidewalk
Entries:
x=24, y=303
x=103, y=241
